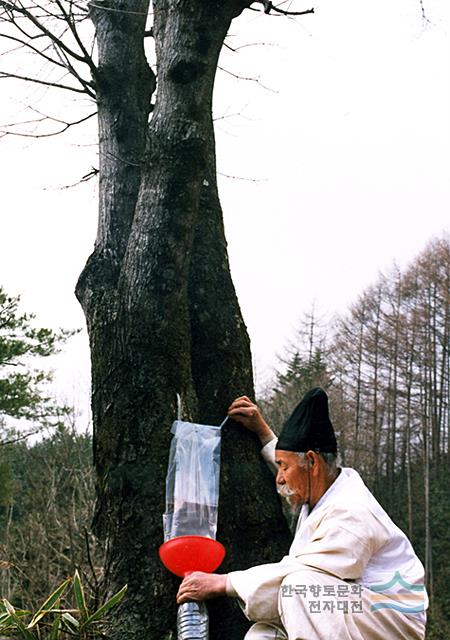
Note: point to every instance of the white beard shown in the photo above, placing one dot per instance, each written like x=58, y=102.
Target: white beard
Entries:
x=287, y=494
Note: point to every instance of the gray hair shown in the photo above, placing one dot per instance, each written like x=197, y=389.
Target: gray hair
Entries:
x=329, y=458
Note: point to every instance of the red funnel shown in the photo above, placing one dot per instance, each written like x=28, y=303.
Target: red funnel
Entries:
x=184, y=554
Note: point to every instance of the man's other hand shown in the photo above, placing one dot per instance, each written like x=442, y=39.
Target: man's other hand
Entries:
x=246, y=412
x=201, y=586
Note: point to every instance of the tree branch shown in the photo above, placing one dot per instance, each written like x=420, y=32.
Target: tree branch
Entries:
x=269, y=7
x=104, y=7
x=252, y=44
x=75, y=33
x=226, y=175
x=5, y=74
x=66, y=125
x=247, y=78
x=29, y=46
x=92, y=174
x=422, y=10
x=4, y=443
x=12, y=8
x=65, y=62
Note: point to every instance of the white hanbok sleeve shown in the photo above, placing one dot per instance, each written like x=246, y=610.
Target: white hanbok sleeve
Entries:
x=258, y=588
x=268, y=453
x=341, y=545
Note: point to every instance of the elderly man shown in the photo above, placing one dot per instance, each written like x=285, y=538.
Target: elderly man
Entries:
x=351, y=573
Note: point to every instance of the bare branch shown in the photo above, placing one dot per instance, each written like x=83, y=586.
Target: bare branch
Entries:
x=227, y=46
x=115, y=10
x=227, y=116
x=65, y=62
x=291, y=13
x=15, y=8
x=255, y=44
x=46, y=13
x=5, y=74
x=249, y=79
x=422, y=10
x=225, y=175
x=29, y=46
x=23, y=32
x=92, y=174
x=86, y=178
x=66, y=125
x=75, y=33
x=4, y=443
x=269, y=7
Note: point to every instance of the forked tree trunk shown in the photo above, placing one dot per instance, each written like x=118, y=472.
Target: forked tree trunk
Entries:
x=161, y=309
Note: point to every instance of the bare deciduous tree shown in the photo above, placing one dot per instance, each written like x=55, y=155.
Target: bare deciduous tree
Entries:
x=161, y=310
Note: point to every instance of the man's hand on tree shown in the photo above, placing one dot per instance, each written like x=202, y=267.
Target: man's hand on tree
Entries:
x=246, y=412
x=201, y=586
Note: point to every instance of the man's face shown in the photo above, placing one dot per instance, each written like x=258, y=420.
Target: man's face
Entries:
x=292, y=478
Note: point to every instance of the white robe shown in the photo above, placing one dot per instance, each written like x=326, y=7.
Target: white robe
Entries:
x=347, y=539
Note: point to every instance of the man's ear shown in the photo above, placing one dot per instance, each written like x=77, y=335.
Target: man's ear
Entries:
x=309, y=455
x=313, y=462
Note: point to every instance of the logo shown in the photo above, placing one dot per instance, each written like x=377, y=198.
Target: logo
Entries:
x=398, y=594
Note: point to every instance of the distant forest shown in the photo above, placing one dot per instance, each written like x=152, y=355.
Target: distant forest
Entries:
x=385, y=365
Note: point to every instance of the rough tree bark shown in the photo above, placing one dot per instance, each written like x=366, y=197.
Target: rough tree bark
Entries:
x=161, y=309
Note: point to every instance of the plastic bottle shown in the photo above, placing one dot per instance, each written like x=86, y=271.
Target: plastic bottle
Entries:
x=193, y=621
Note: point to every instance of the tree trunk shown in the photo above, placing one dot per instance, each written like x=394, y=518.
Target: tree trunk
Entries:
x=161, y=309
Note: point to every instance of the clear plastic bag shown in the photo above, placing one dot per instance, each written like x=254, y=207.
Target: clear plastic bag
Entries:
x=192, y=482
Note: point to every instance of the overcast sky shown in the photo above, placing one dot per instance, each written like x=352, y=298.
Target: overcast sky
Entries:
x=340, y=165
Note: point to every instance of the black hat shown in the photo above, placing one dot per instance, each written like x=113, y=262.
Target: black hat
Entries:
x=309, y=426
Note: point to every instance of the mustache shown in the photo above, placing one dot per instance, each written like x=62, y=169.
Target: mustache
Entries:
x=285, y=491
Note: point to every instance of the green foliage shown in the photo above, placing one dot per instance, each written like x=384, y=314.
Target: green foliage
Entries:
x=7, y=482
x=301, y=374
x=45, y=518
x=22, y=387
x=56, y=619
x=438, y=624
x=304, y=367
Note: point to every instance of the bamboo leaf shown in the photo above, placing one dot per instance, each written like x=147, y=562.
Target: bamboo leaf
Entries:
x=54, y=633
x=18, y=622
x=79, y=595
x=8, y=606
x=36, y=619
x=5, y=621
x=19, y=612
x=50, y=602
x=115, y=599
x=70, y=622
